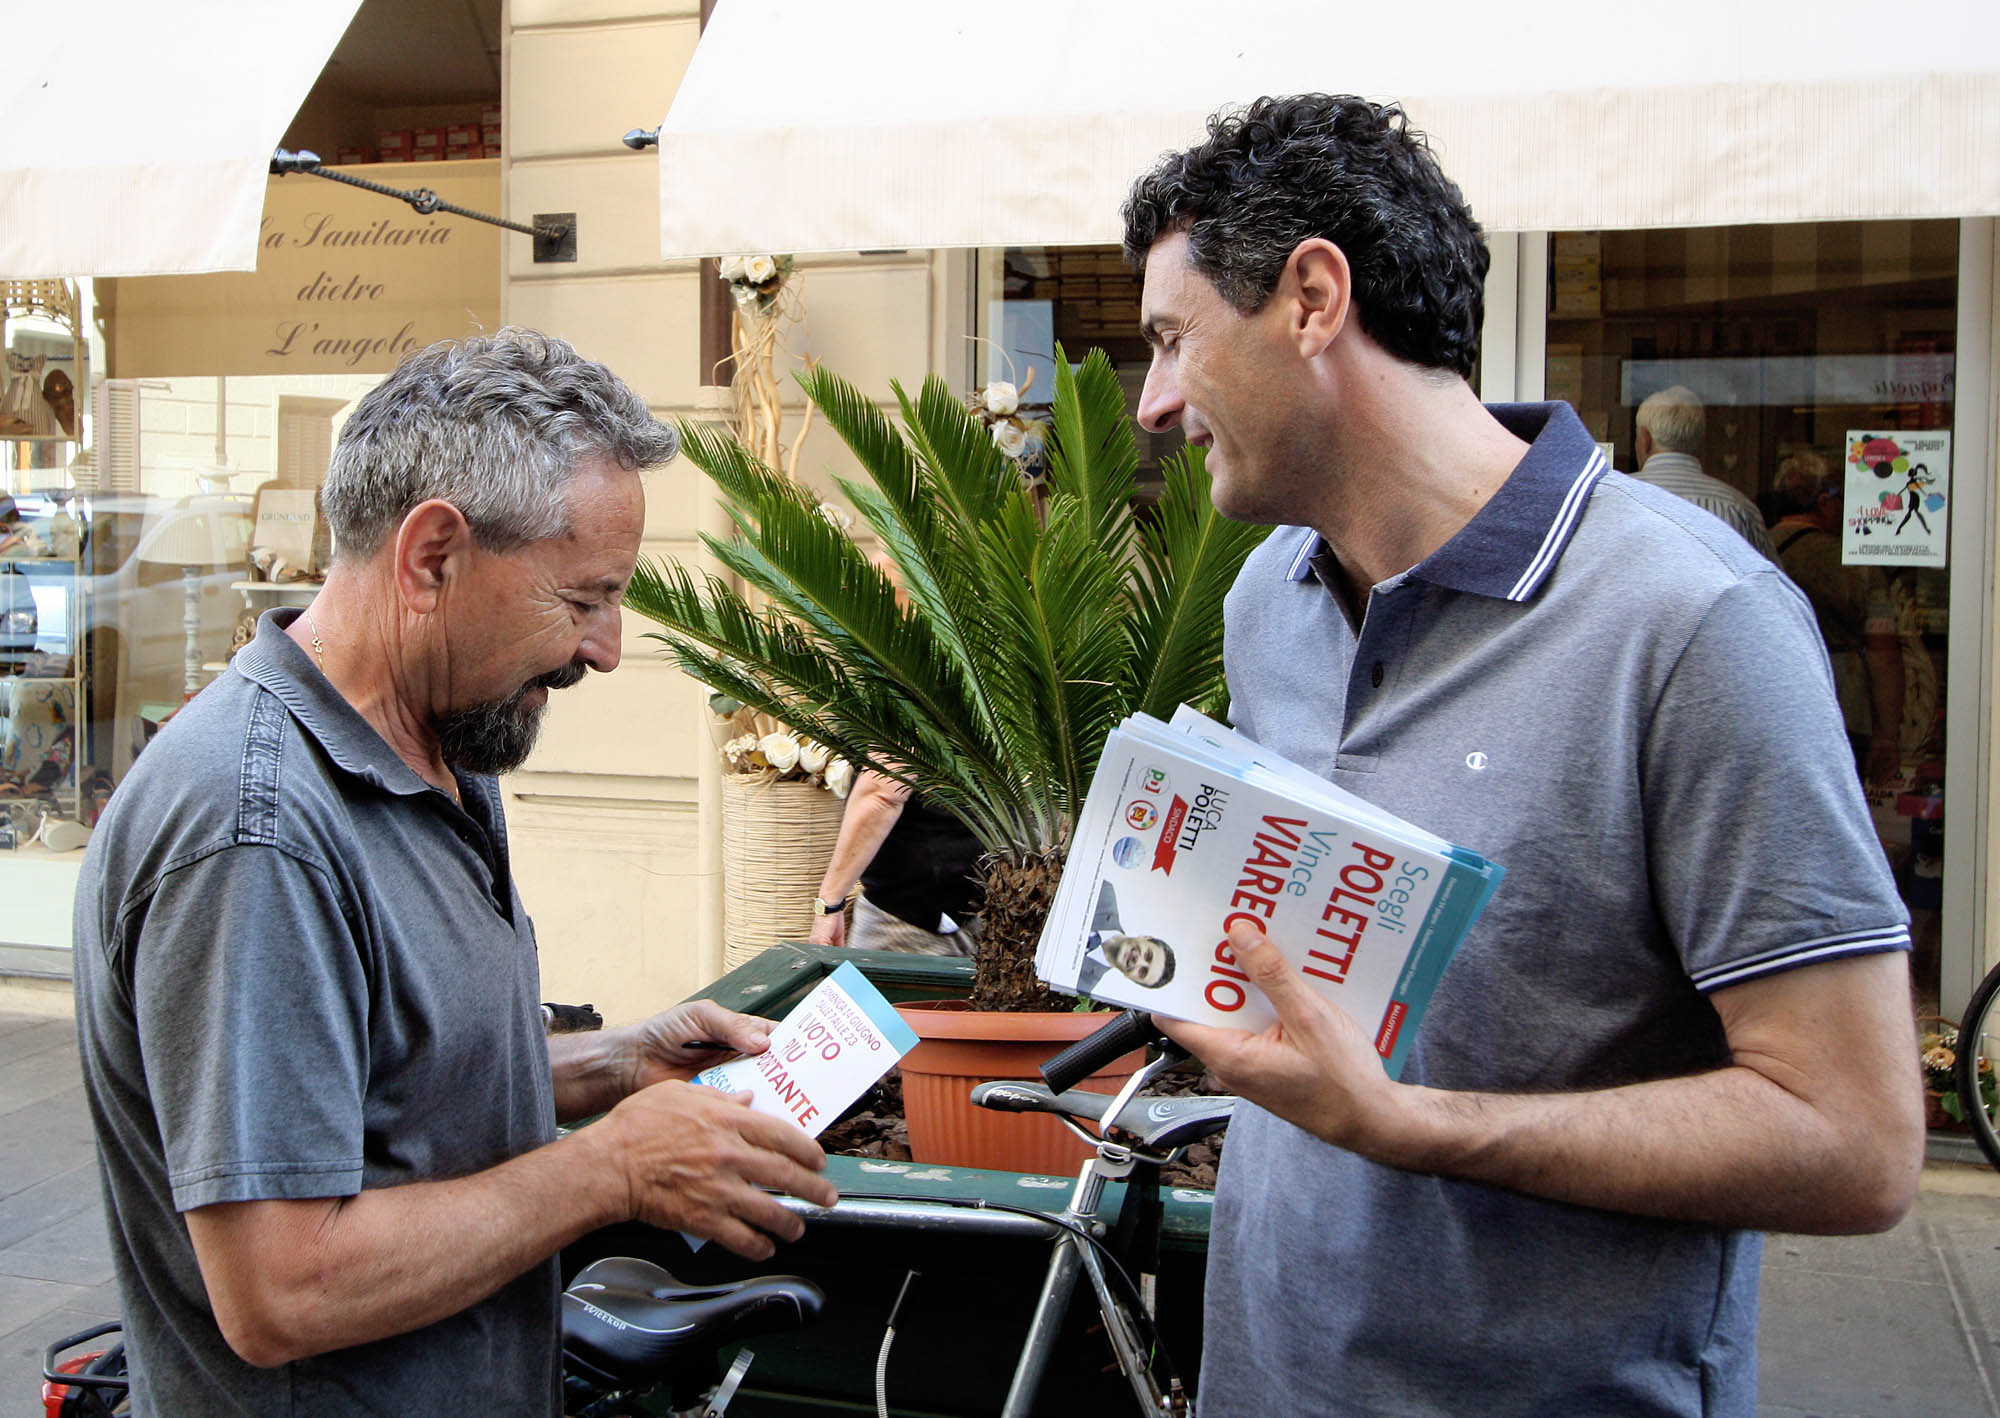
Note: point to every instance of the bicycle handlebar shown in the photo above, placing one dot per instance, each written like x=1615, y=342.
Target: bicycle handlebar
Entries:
x=1131, y=1030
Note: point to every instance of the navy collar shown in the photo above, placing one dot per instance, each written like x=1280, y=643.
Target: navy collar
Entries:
x=275, y=662
x=1512, y=544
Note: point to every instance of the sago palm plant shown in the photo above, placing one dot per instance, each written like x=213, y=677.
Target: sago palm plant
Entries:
x=1034, y=619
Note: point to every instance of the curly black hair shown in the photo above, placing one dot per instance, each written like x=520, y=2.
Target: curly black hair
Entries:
x=1334, y=166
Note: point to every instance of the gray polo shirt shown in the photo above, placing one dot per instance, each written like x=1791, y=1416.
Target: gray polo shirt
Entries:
x=1612, y=695
x=302, y=971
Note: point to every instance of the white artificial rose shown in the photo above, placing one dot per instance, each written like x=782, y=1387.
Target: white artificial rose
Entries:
x=1012, y=438
x=759, y=269
x=732, y=268
x=813, y=756
x=839, y=777
x=781, y=751
x=1002, y=398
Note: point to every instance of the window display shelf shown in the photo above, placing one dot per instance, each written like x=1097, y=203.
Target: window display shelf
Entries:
x=261, y=595
x=42, y=674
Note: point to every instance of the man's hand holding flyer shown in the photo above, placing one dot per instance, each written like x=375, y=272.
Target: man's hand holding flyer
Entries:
x=826, y=1053
x=1191, y=829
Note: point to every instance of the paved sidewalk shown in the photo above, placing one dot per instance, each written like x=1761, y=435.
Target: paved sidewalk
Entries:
x=55, y=1266
x=1904, y=1325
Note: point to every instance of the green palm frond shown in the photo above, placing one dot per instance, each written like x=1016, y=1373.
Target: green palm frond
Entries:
x=969, y=475
x=1033, y=622
x=1189, y=554
x=1093, y=454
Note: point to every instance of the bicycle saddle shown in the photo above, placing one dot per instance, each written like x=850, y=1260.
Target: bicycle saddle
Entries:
x=634, y=1324
x=1157, y=1124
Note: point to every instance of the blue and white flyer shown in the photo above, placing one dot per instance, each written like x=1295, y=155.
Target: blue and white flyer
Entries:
x=826, y=1053
x=1189, y=828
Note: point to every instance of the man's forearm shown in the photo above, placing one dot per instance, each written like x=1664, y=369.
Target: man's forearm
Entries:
x=872, y=813
x=1816, y=1125
x=290, y=1279
x=591, y=1071
x=1727, y=1148
x=1883, y=657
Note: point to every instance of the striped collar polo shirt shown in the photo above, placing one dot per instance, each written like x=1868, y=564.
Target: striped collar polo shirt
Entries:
x=1612, y=695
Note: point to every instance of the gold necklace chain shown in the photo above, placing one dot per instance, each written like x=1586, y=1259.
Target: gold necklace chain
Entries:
x=319, y=650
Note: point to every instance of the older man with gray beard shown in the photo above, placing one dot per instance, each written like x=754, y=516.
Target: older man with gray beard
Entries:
x=307, y=989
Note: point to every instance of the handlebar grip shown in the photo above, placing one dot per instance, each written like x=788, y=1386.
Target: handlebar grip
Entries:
x=1130, y=1030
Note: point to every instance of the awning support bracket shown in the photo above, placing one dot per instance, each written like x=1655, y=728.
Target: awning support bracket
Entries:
x=554, y=232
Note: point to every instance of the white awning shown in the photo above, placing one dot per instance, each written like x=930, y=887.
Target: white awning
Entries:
x=806, y=126
x=136, y=135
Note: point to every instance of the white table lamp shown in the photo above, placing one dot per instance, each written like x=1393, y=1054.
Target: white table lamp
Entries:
x=198, y=535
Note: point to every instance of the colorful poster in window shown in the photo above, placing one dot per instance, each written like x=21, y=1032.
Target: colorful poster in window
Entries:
x=1898, y=498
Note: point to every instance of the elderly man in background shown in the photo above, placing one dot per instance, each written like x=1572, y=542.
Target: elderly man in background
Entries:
x=308, y=994
x=1668, y=444
x=1857, y=617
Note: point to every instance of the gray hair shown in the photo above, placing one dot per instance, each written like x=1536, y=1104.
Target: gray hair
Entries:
x=1802, y=479
x=495, y=425
x=1675, y=418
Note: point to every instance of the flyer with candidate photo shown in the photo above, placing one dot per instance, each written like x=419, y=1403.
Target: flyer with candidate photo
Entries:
x=1189, y=830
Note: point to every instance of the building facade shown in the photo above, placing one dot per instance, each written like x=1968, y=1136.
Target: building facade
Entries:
x=1799, y=338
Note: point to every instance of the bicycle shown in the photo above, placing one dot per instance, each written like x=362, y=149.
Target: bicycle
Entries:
x=630, y=1330
x=1978, y=1048
x=633, y=1333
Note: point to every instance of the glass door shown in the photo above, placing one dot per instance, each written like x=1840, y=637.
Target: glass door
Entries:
x=1811, y=370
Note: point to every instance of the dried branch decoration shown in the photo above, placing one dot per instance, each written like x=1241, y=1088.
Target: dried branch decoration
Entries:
x=768, y=300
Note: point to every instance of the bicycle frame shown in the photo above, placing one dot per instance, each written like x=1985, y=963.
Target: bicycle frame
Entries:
x=1070, y=1255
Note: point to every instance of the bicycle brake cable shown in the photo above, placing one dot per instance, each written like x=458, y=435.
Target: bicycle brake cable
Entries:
x=1133, y=1297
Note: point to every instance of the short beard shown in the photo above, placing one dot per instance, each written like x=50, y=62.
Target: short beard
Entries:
x=497, y=737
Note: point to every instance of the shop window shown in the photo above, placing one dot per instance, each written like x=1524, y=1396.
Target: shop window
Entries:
x=197, y=513
x=1029, y=299
x=1800, y=341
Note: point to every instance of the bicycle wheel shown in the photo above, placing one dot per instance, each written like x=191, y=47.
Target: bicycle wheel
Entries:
x=1978, y=1053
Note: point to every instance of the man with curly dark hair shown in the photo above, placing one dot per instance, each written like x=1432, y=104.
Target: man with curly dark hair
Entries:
x=1684, y=1017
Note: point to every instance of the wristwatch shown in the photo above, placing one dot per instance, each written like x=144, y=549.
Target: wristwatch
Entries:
x=821, y=908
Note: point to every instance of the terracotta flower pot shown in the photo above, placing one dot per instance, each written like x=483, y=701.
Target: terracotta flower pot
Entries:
x=959, y=1047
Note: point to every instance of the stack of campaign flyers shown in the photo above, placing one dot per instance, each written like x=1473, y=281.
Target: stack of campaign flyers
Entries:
x=1190, y=827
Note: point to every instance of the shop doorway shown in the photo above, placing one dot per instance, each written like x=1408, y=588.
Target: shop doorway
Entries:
x=1819, y=358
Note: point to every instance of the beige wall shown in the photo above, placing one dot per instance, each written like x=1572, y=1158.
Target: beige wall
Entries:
x=614, y=820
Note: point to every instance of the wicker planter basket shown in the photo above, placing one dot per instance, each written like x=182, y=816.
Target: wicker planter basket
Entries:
x=776, y=841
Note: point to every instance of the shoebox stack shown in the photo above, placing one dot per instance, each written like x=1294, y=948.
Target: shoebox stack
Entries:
x=1097, y=291
x=451, y=142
